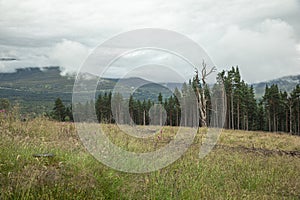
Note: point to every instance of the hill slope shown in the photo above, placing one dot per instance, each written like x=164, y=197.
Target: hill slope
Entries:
x=286, y=83
x=37, y=88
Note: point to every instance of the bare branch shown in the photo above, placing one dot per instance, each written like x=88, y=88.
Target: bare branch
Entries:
x=204, y=70
x=213, y=69
x=202, y=99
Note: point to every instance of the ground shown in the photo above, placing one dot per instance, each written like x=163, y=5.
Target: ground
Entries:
x=243, y=165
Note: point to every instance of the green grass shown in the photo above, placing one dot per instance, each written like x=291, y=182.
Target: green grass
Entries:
x=74, y=174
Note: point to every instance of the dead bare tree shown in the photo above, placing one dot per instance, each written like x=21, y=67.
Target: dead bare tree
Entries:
x=201, y=97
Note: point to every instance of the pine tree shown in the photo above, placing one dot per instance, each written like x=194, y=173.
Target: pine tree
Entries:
x=117, y=105
x=59, y=110
x=272, y=104
x=185, y=103
x=131, y=109
x=69, y=114
x=99, y=108
x=160, y=101
x=261, y=117
x=295, y=95
x=237, y=94
x=251, y=110
x=177, y=99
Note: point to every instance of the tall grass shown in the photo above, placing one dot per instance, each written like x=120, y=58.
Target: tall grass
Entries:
x=74, y=174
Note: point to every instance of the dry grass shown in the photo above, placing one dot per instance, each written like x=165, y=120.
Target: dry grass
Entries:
x=266, y=140
x=74, y=174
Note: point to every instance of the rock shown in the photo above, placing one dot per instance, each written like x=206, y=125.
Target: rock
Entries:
x=43, y=155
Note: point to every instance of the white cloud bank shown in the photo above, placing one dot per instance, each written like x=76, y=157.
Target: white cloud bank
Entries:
x=262, y=37
x=69, y=54
x=269, y=50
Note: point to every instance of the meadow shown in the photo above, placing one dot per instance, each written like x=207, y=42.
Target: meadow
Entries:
x=243, y=165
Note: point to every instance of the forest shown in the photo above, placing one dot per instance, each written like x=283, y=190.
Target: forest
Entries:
x=276, y=111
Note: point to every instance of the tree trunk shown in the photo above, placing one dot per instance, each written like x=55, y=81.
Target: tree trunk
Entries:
x=177, y=116
x=286, y=121
x=185, y=112
x=171, y=118
x=238, y=114
x=202, y=105
x=160, y=116
x=274, y=122
x=232, y=112
x=298, y=120
x=269, y=119
x=247, y=122
x=144, y=117
x=291, y=122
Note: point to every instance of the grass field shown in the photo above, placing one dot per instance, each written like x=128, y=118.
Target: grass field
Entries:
x=244, y=165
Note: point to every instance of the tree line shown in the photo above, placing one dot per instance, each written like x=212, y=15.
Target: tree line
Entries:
x=179, y=109
x=276, y=111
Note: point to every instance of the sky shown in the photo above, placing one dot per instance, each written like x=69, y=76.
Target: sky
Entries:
x=261, y=37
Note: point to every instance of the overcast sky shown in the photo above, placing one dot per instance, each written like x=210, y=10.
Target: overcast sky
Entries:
x=262, y=37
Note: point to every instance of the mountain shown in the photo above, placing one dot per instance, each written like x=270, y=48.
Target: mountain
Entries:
x=37, y=80
x=286, y=83
x=36, y=89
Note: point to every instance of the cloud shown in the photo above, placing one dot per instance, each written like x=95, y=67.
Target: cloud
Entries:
x=255, y=34
x=266, y=52
x=2, y=67
x=26, y=57
x=69, y=54
x=151, y=64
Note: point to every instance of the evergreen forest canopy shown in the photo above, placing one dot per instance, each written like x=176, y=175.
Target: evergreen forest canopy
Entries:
x=277, y=111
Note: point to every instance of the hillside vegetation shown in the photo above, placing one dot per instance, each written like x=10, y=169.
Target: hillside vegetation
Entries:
x=35, y=89
x=41, y=86
x=244, y=165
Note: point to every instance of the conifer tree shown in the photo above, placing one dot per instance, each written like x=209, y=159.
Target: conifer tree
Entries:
x=59, y=110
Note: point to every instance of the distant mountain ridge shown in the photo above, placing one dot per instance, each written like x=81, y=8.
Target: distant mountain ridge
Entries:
x=286, y=83
x=37, y=88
